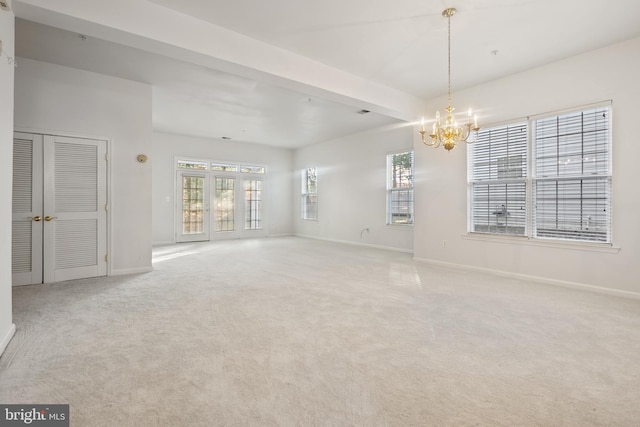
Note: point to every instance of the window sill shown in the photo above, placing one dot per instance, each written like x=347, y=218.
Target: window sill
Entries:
x=400, y=226
x=558, y=244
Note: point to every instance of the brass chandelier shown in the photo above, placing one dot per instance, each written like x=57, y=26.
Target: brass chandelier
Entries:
x=449, y=133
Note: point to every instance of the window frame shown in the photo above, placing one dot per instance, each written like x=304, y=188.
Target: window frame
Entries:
x=390, y=190
x=532, y=181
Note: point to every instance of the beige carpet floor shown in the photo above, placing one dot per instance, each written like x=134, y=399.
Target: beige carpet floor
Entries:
x=297, y=332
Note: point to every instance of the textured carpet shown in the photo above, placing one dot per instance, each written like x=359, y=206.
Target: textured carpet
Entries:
x=297, y=332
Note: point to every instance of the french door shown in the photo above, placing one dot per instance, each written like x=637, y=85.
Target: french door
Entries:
x=231, y=209
x=238, y=209
x=225, y=222
x=59, y=227
x=193, y=206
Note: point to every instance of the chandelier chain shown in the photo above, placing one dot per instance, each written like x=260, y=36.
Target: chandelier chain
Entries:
x=449, y=58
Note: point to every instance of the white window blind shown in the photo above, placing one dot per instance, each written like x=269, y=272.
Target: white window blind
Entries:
x=310, y=194
x=573, y=181
x=400, y=188
x=498, y=171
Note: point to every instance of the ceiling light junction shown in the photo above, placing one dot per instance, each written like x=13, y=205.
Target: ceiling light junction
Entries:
x=449, y=133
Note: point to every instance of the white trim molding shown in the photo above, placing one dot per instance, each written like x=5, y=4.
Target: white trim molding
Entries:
x=347, y=242
x=5, y=341
x=125, y=271
x=538, y=279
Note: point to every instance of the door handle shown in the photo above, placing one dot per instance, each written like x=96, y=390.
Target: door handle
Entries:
x=49, y=218
x=35, y=218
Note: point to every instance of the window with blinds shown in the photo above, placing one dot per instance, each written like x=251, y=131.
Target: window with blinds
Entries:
x=310, y=194
x=566, y=195
x=498, y=172
x=400, y=188
x=573, y=180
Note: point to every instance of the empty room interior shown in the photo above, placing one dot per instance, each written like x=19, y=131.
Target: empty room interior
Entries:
x=391, y=213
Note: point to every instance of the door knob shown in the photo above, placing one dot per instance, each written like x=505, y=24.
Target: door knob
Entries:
x=49, y=218
x=36, y=218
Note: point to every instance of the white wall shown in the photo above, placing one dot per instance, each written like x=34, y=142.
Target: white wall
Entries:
x=441, y=190
x=352, y=188
x=64, y=100
x=7, y=328
x=278, y=184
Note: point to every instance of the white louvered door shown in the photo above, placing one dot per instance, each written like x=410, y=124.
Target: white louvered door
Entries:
x=68, y=221
x=27, y=223
x=74, y=208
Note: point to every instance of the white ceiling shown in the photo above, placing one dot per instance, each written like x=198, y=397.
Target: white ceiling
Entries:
x=403, y=43
x=194, y=100
x=400, y=44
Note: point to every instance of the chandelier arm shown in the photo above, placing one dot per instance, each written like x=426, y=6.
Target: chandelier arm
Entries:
x=428, y=144
x=470, y=140
x=465, y=132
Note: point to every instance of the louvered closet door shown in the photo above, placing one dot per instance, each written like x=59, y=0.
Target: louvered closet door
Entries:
x=27, y=224
x=74, y=208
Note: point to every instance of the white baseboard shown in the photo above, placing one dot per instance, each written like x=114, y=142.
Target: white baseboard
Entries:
x=5, y=341
x=125, y=271
x=163, y=243
x=538, y=279
x=347, y=242
x=281, y=235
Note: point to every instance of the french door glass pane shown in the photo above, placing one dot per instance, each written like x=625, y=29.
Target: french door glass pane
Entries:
x=253, y=204
x=225, y=204
x=192, y=204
